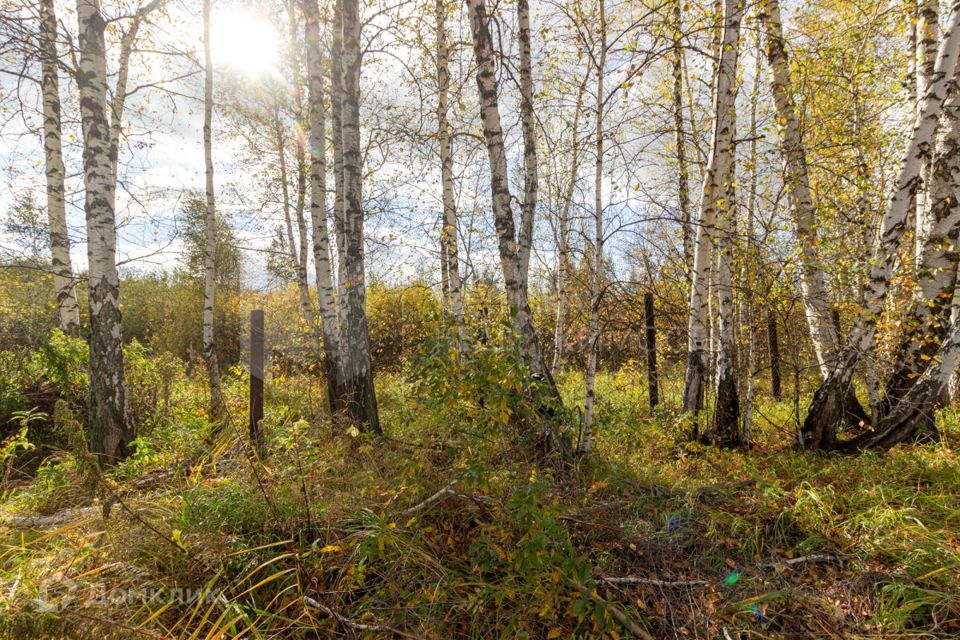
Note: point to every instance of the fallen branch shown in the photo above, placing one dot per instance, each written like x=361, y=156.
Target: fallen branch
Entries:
x=356, y=626
x=448, y=489
x=814, y=557
x=654, y=583
x=617, y=614
x=54, y=520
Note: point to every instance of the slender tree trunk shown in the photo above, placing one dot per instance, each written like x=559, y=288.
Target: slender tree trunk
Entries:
x=210, y=230
x=336, y=123
x=530, y=350
x=726, y=419
x=773, y=345
x=67, y=308
x=650, y=347
x=563, y=250
x=683, y=178
x=826, y=409
x=716, y=176
x=326, y=290
x=796, y=176
x=528, y=123
x=110, y=428
x=747, y=268
x=359, y=399
x=596, y=262
x=448, y=235
x=926, y=57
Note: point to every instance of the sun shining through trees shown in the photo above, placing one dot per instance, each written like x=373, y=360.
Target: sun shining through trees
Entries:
x=245, y=41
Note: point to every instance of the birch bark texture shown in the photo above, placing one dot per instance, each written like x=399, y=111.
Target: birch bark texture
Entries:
x=926, y=55
x=359, y=400
x=528, y=121
x=929, y=321
x=816, y=302
x=210, y=229
x=110, y=428
x=716, y=174
x=726, y=430
x=596, y=255
x=68, y=310
x=514, y=280
x=322, y=262
x=826, y=411
x=449, y=232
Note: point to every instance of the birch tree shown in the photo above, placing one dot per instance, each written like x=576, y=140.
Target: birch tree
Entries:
x=926, y=54
x=326, y=291
x=596, y=257
x=210, y=228
x=826, y=408
x=110, y=428
x=716, y=182
x=448, y=235
x=359, y=400
x=515, y=282
x=813, y=285
x=929, y=322
x=67, y=308
x=528, y=206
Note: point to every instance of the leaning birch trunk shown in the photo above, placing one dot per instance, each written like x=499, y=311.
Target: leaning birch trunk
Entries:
x=563, y=250
x=326, y=291
x=531, y=353
x=110, y=429
x=715, y=173
x=67, y=308
x=913, y=410
x=937, y=274
x=528, y=123
x=726, y=430
x=926, y=56
x=816, y=302
x=826, y=410
x=596, y=257
x=210, y=230
x=359, y=398
x=448, y=234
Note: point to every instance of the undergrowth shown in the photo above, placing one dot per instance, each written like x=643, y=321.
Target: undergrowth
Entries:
x=447, y=528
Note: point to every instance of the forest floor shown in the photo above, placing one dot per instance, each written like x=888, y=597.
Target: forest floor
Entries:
x=448, y=529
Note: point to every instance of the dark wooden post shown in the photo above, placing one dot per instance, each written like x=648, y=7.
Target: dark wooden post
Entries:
x=650, y=341
x=774, y=343
x=256, y=374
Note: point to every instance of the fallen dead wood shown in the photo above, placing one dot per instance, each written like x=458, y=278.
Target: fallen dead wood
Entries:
x=350, y=624
x=825, y=558
x=653, y=582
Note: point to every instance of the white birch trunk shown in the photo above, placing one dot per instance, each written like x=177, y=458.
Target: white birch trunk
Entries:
x=926, y=56
x=359, y=400
x=716, y=173
x=816, y=301
x=596, y=257
x=110, y=427
x=528, y=123
x=825, y=413
x=937, y=272
x=210, y=229
x=448, y=234
x=531, y=353
x=67, y=307
x=322, y=263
